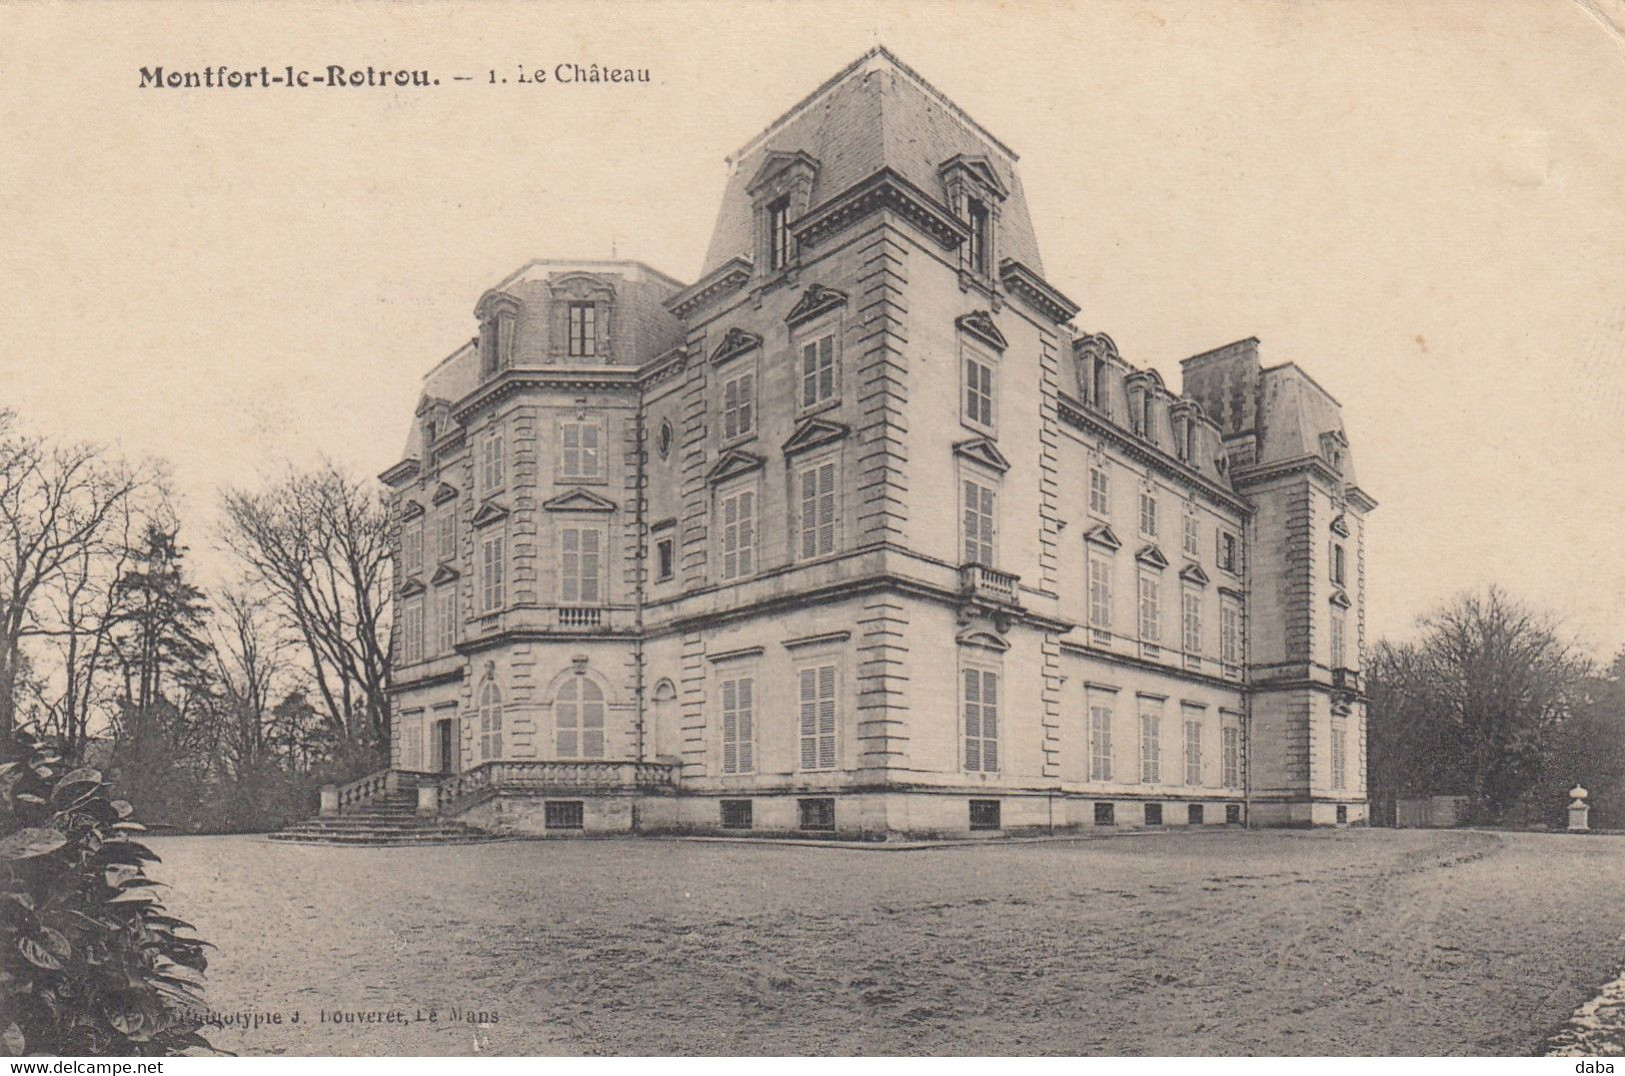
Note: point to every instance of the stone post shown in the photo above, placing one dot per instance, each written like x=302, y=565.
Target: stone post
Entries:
x=330, y=800
x=428, y=799
x=1579, y=811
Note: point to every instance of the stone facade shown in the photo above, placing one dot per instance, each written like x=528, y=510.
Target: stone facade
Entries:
x=859, y=534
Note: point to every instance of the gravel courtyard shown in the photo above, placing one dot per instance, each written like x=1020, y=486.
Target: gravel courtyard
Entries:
x=1350, y=942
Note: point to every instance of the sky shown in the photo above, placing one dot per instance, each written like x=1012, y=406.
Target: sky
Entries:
x=1421, y=204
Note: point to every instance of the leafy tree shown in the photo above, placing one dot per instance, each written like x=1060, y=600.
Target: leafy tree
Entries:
x=89, y=962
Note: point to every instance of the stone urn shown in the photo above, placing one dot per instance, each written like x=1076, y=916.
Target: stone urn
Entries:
x=1579, y=810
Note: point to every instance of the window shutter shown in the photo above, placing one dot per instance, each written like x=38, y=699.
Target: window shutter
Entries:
x=730, y=728
x=809, y=719
x=990, y=722
x=826, y=717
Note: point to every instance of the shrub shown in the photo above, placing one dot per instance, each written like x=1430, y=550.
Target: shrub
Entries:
x=89, y=963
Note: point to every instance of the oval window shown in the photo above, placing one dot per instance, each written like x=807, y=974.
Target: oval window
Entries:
x=664, y=438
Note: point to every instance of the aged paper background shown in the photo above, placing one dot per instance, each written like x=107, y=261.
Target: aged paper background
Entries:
x=1421, y=203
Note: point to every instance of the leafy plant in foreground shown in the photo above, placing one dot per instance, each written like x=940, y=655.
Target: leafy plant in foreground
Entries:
x=89, y=963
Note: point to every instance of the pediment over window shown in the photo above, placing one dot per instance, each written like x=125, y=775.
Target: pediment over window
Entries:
x=1340, y=526
x=443, y=575
x=812, y=433
x=979, y=323
x=1340, y=599
x=1193, y=573
x=1232, y=592
x=1102, y=535
x=411, y=510
x=733, y=464
x=983, y=451
x=411, y=587
x=816, y=300
x=986, y=640
x=579, y=500
x=735, y=342
x=490, y=512
x=1152, y=557
x=431, y=403
x=779, y=162
x=976, y=166
x=444, y=492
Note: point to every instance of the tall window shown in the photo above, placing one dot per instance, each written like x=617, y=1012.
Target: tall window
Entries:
x=1193, y=752
x=1339, y=757
x=1100, y=490
x=738, y=406
x=978, y=391
x=1150, y=746
x=976, y=252
x=1191, y=546
x=1148, y=423
x=665, y=559
x=1192, y=621
x=1337, y=565
x=493, y=462
x=490, y=721
x=583, y=330
x=818, y=370
x=1232, y=756
x=446, y=533
x=978, y=523
x=1100, y=390
x=578, y=719
x=981, y=721
x=581, y=565
x=412, y=546
x=581, y=457
x=1100, y=591
x=411, y=630
x=1229, y=552
x=493, y=573
x=1148, y=513
x=738, y=534
x=1339, y=638
x=1150, y=609
x=778, y=234
x=410, y=730
x=739, y=725
x=1100, y=743
x=818, y=718
x=818, y=515
x=1230, y=634
x=445, y=618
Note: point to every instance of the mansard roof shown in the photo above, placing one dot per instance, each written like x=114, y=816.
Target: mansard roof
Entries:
x=876, y=113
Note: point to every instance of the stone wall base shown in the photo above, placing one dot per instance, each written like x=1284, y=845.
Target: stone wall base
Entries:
x=881, y=815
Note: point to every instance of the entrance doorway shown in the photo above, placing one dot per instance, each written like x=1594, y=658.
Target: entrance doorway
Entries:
x=441, y=746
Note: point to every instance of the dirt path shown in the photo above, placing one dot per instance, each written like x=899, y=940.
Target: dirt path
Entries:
x=1351, y=942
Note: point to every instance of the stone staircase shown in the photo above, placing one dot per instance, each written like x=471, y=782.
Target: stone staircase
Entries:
x=388, y=820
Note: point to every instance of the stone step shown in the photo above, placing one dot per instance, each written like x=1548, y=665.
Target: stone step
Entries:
x=381, y=841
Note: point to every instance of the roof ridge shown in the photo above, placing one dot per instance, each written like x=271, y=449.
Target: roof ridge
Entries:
x=880, y=52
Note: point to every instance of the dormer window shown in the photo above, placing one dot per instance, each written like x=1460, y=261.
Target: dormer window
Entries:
x=778, y=232
x=583, y=330
x=976, y=250
x=1148, y=427
x=498, y=315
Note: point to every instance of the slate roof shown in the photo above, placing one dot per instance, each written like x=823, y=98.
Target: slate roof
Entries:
x=875, y=113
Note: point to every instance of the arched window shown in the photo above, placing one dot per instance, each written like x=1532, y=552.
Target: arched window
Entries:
x=490, y=721
x=578, y=716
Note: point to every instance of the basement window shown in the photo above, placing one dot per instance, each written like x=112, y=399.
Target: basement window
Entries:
x=736, y=814
x=564, y=814
x=984, y=814
x=1105, y=814
x=1232, y=814
x=1193, y=814
x=1153, y=814
x=817, y=814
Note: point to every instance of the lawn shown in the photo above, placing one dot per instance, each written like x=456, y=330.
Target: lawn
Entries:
x=1348, y=942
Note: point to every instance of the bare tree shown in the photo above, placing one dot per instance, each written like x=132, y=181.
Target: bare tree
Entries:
x=64, y=510
x=317, y=544
x=250, y=664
